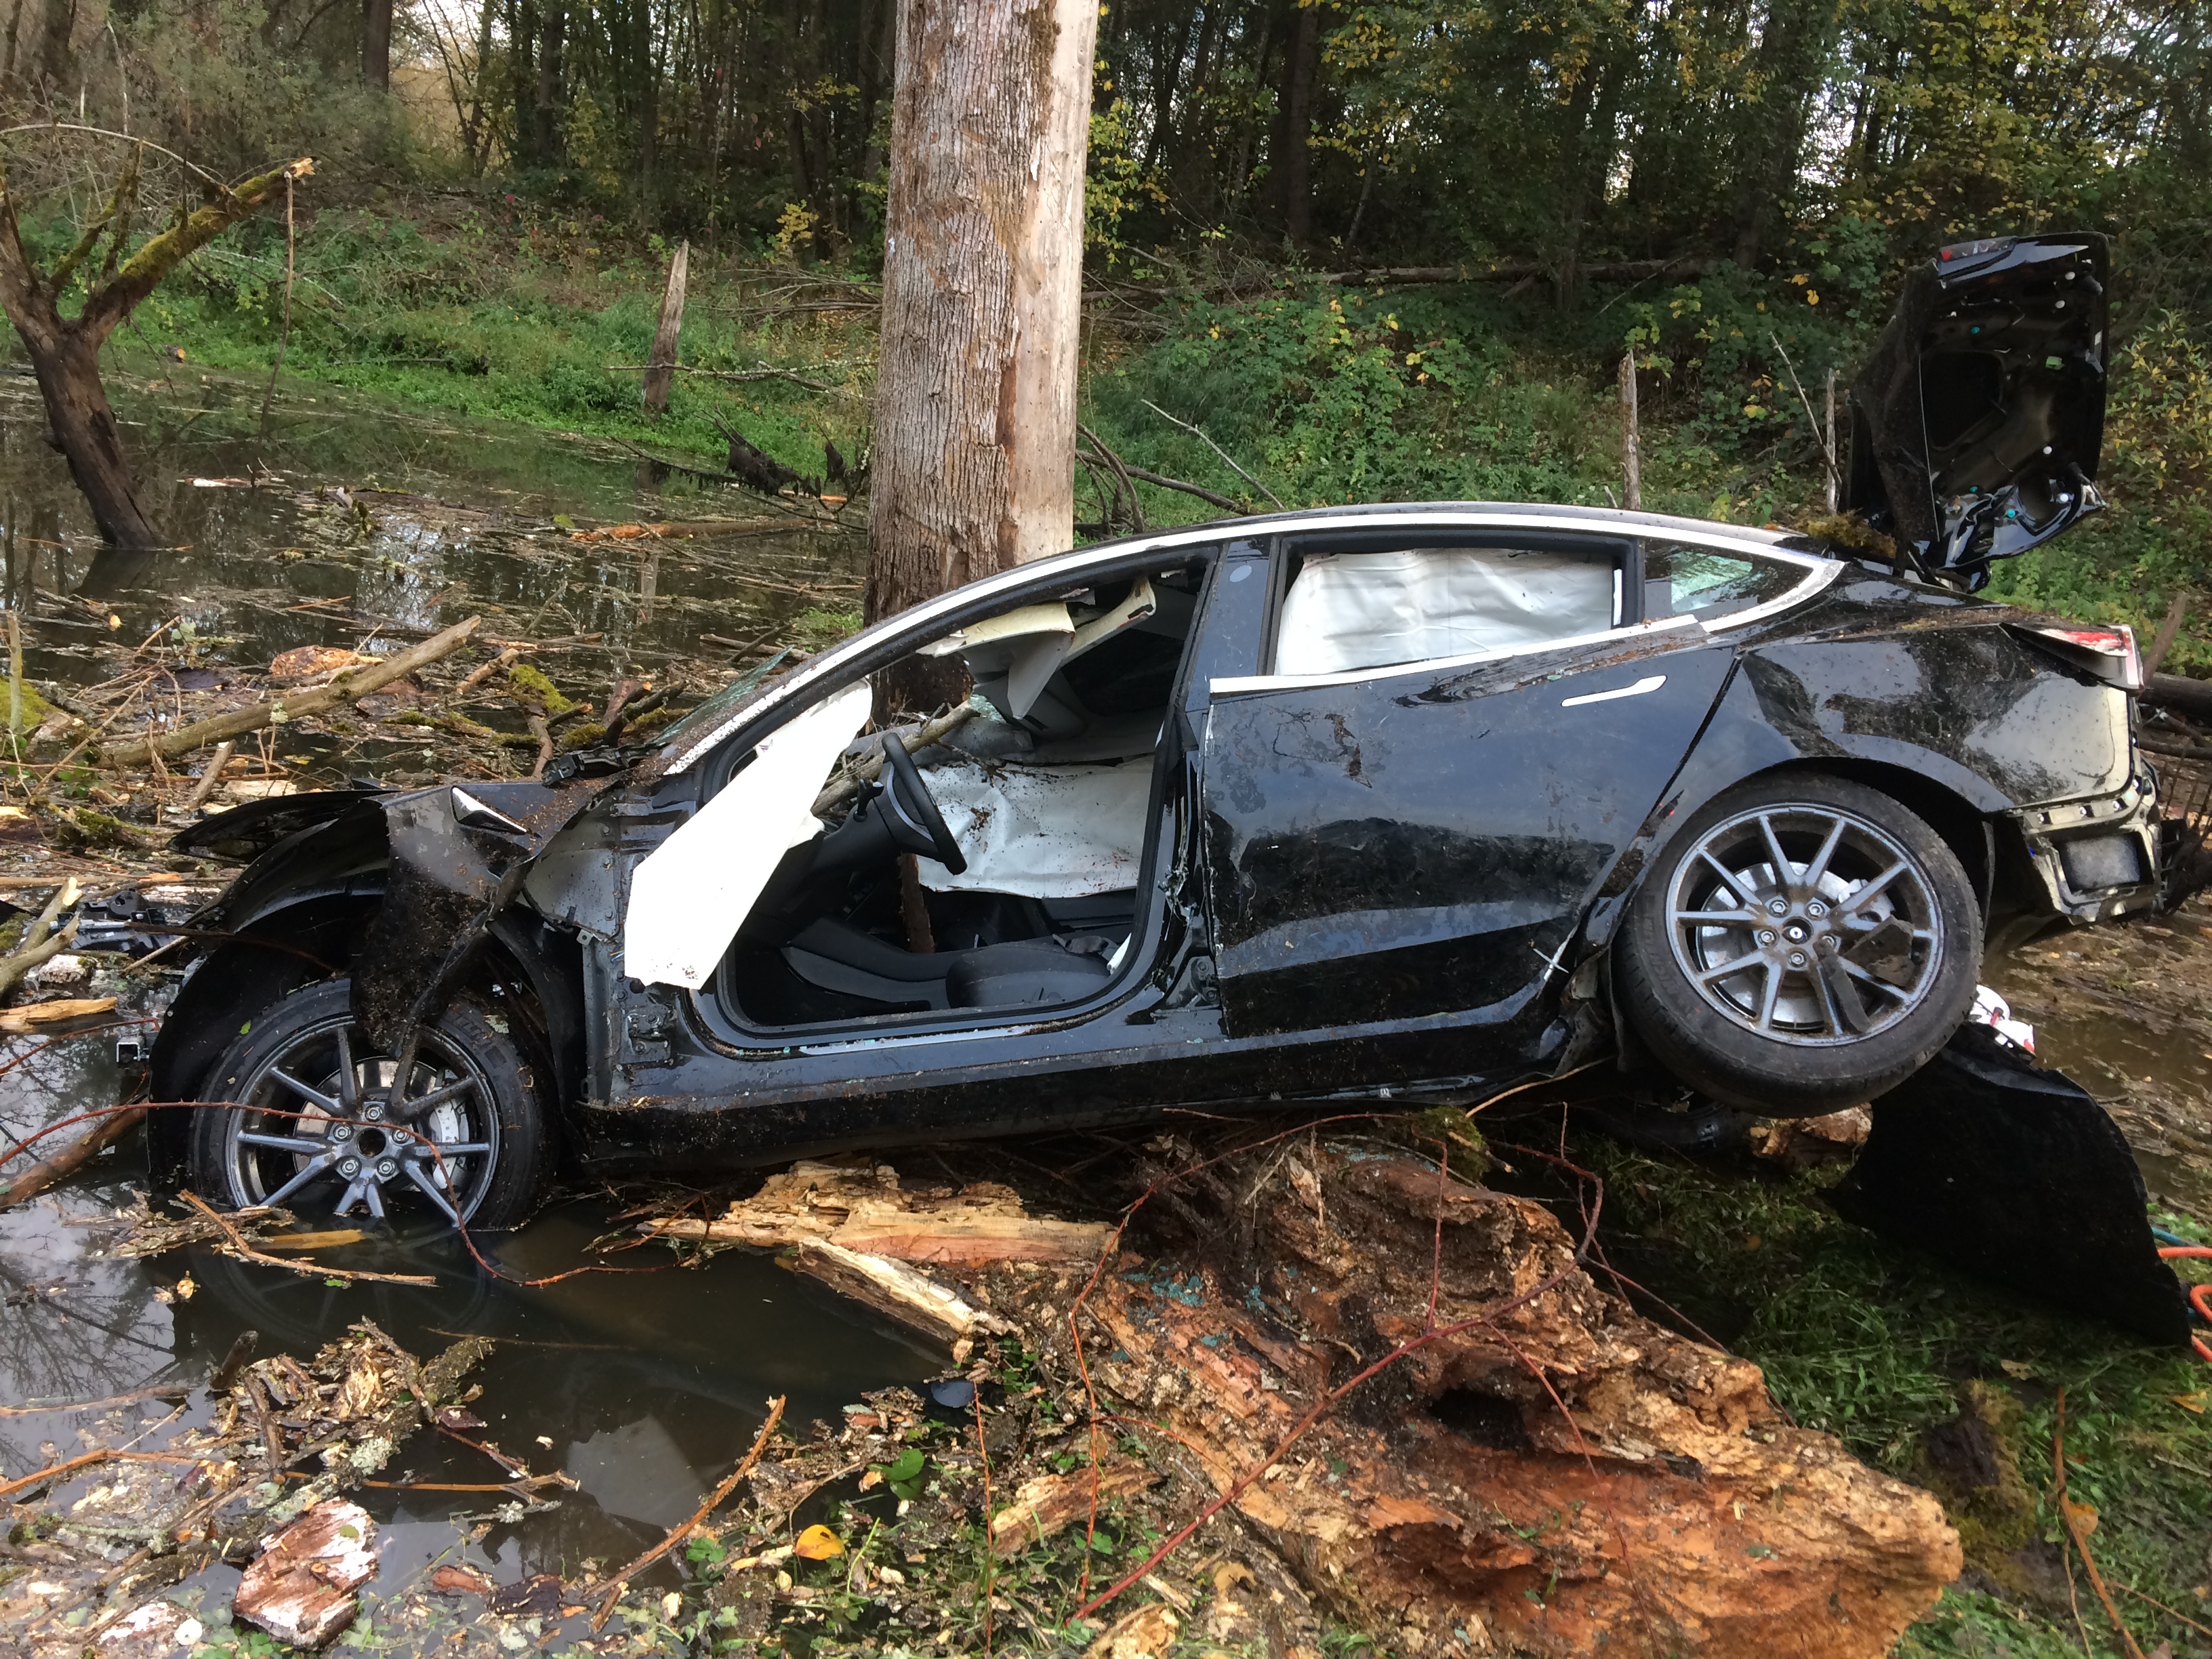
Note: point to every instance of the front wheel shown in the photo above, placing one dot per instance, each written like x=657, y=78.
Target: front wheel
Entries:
x=305, y=1111
x=1805, y=944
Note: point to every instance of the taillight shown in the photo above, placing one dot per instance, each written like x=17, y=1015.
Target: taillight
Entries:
x=2110, y=654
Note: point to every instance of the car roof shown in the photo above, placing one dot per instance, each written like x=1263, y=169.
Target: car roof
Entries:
x=1077, y=561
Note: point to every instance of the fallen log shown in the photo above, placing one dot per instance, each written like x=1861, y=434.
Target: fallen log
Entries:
x=866, y=1211
x=349, y=685
x=896, y=1292
x=72, y=1157
x=2179, y=691
x=1530, y=1461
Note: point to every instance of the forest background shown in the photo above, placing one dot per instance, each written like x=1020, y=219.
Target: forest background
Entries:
x=1381, y=250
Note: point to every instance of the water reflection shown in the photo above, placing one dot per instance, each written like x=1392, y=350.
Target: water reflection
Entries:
x=365, y=522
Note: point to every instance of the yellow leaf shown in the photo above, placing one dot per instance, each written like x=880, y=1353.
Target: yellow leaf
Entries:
x=2191, y=1402
x=1811, y=297
x=817, y=1543
x=2082, y=1515
x=2019, y=1370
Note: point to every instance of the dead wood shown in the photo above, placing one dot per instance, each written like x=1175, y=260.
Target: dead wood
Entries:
x=867, y=1210
x=108, y=1128
x=39, y=942
x=300, y=1588
x=1051, y=1503
x=347, y=686
x=896, y=1292
x=1538, y=1463
x=237, y=1246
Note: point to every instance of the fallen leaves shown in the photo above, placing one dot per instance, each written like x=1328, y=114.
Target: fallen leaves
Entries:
x=817, y=1543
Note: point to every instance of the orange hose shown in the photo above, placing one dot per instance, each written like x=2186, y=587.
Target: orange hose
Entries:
x=2200, y=1296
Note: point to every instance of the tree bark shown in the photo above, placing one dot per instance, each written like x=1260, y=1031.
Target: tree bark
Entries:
x=376, y=44
x=65, y=352
x=660, y=367
x=1293, y=161
x=972, y=464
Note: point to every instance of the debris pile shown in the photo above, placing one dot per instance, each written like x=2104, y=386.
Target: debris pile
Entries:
x=1336, y=1382
x=257, y=1485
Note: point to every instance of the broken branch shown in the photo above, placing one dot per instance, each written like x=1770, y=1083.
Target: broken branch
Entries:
x=71, y=1158
x=684, y=1530
x=245, y=1252
x=346, y=686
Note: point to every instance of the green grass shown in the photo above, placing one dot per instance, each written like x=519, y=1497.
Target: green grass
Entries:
x=1325, y=395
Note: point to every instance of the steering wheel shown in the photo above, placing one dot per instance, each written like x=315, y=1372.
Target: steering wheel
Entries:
x=910, y=811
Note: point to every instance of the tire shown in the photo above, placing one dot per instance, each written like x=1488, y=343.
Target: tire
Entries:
x=289, y=1123
x=1890, y=920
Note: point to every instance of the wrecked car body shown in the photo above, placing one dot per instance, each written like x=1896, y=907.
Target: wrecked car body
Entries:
x=1410, y=801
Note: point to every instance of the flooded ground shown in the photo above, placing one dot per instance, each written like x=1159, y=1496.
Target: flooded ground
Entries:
x=353, y=525
x=643, y=1385
x=368, y=527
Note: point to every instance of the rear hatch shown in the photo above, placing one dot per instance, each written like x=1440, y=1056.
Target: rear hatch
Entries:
x=1976, y=424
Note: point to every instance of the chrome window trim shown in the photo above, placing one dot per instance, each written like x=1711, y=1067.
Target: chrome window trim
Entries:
x=1589, y=521
x=1240, y=684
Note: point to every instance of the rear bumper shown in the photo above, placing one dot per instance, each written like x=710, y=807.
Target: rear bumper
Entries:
x=2097, y=857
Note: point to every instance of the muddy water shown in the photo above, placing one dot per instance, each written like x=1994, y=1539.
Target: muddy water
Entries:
x=358, y=524
x=643, y=1386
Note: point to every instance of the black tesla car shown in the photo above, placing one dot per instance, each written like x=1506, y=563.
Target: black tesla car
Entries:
x=1397, y=801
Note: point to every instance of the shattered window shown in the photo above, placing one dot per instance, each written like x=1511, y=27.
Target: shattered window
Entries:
x=1347, y=611
x=1698, y=582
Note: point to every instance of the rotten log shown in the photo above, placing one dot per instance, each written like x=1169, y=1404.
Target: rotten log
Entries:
x=348, y=685
x=1538, y=1466
x=868, y=1212
x=1052, y=1503
x=300, y=1587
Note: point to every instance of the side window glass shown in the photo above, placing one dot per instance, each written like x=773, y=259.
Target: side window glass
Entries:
x=1681, y=581
x=1346, y=612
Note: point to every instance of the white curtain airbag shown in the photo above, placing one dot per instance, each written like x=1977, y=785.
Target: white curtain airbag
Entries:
x=1045, y=831
x=1346, y=612
x=689, y=897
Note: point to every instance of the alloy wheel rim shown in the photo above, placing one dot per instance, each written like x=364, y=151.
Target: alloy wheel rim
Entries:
x=323, y=1118
x=1807, y=925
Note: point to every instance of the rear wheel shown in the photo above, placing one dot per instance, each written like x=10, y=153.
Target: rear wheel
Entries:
x=311, y=1115
x=1804, y=945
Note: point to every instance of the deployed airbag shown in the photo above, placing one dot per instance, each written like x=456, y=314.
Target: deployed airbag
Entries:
x=1044, y=831
x=1346, y=612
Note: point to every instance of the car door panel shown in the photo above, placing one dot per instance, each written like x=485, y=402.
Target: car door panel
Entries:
x=1423, y=843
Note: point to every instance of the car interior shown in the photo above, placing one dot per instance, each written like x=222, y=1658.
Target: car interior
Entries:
x=998, y=866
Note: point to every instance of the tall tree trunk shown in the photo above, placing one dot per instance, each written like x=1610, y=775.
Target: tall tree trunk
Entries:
x=65, y=352
x=973, y=463
x=376, y=43
x=1293, y=158
x=545, y=133
x=58, y=24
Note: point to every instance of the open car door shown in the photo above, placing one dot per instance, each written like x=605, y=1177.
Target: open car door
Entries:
x=1976, y=424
